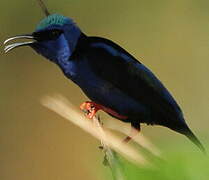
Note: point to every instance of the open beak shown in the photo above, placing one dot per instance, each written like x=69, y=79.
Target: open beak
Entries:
x=15, y=45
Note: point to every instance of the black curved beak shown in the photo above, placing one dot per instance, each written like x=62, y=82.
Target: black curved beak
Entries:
x=15, y=45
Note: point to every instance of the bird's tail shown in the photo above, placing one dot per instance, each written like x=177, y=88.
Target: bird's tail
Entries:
x=188, y=133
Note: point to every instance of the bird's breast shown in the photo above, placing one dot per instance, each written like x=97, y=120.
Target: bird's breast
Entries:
x=99, y=90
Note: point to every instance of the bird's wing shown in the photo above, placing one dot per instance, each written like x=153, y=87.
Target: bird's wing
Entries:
x=113, y=64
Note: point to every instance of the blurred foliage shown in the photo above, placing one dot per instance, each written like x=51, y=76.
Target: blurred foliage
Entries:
x=170, y=37
x=178, y=165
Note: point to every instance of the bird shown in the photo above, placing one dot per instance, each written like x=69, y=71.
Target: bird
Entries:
x=114, y=80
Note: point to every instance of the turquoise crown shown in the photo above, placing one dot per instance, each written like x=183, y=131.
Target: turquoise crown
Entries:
x=54, y=19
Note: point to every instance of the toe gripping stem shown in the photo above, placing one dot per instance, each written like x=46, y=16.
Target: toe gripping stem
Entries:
x=91, y=108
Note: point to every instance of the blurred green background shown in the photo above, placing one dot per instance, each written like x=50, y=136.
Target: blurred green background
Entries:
x=170, y=37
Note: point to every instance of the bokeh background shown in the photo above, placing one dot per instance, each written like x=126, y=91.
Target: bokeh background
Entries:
x=170, y=37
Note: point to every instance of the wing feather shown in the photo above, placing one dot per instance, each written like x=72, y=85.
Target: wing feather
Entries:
x=121, y=69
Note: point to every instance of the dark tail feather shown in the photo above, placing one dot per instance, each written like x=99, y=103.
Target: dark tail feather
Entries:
x=188, y=133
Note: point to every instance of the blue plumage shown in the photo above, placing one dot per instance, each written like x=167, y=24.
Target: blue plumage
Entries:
x=108, y=75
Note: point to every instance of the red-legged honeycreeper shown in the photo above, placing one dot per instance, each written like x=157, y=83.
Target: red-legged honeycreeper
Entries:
x=113, y=79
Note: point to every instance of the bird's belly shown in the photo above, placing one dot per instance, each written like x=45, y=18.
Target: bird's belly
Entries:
x=104, y=93
x=109, y=96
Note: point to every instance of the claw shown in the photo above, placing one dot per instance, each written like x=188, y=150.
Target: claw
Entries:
x=133, y=133
x=127, y=139
x=90, y=109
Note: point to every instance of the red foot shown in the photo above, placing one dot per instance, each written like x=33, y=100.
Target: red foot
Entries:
x=91, y=108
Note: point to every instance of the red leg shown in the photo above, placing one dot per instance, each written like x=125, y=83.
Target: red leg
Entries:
x=91, y=108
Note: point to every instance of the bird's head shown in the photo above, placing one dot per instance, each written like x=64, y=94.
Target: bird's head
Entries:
x=55, y=38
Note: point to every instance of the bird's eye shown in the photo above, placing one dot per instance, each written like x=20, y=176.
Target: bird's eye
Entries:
x=47, y=35
x=55, y=33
